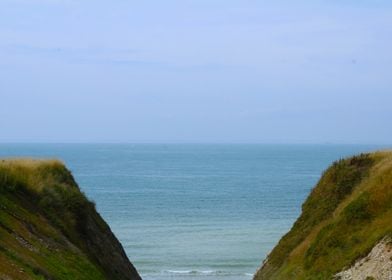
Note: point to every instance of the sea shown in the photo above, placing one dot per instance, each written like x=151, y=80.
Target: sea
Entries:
x=195, y=211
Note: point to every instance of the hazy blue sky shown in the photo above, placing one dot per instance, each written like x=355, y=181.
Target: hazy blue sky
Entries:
x=196, y=71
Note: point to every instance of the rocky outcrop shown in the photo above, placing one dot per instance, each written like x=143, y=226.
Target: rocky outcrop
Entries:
x=376, y=265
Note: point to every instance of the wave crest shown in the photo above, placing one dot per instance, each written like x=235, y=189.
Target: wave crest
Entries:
x=207, y=272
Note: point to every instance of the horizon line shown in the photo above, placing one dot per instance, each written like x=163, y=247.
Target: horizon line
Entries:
x=188, y=143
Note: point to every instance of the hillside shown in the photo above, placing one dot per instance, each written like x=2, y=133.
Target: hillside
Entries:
x=49, y=230
x=345, y=226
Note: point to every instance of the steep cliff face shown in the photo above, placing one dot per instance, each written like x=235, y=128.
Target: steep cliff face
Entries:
x=347, y=214
x=49, y=230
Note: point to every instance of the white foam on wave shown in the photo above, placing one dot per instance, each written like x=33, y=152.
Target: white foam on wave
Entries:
x=192, y=271
x=206, y=272
x=178, y=271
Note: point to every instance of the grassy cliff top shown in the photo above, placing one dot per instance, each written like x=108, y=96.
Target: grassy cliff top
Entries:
x=345, y=215
x=50, y=230
x=34, y=174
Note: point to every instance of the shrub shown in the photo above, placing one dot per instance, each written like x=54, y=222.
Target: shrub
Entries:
x=347, y=173
x=358, y=209
x=68, y=203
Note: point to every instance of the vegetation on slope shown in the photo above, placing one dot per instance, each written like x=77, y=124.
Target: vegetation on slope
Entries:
x=49, y=230
x=346, y=214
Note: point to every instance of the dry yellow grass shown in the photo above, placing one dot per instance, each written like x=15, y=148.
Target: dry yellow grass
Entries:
x=34, y=174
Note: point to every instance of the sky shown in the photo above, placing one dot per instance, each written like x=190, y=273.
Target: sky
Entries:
x=197, y=71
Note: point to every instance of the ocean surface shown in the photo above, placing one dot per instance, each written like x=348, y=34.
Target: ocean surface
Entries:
x=194, y=212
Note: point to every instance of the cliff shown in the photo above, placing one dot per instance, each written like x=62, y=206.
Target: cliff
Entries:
x=49, y=230
x=345, y=226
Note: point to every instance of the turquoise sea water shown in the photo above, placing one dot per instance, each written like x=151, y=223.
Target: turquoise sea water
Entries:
x=195, y=212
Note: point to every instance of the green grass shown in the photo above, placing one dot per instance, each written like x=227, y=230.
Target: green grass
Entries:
x=346, y=214
x=42, y=218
